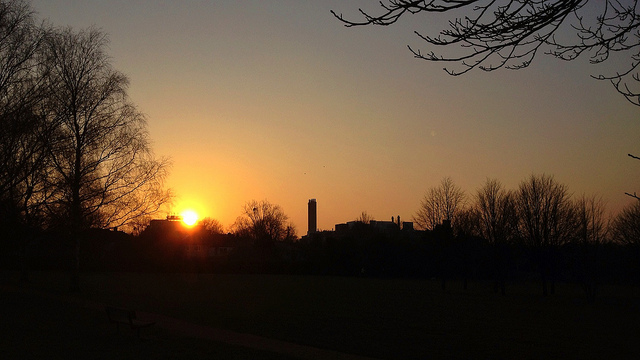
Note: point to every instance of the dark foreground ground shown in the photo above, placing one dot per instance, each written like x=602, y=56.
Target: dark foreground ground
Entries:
x=330, y=317
x=33, y=327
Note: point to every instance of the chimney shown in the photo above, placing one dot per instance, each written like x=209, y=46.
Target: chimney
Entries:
x=313, y=217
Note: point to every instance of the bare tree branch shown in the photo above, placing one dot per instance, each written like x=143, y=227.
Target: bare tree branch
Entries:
x=494, y=34
x=634, y=194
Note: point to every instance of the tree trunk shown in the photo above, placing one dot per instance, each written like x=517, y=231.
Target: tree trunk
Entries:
x=76, y=226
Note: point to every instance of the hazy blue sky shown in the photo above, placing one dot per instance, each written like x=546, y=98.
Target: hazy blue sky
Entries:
x=277, y=100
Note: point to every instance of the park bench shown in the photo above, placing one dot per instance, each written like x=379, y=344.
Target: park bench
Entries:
x=126, y=317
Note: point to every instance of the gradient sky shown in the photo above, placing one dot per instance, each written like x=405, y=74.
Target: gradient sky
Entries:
x=277, y=100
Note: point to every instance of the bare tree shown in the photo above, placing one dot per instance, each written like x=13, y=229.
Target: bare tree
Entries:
x=509, y=33
x=106, y=174
x=103, y=170
x=440, y=203
x=592, y=226
x=139, y=224
x=497, y=213
x=212, y=225
x=20, y=92
x=364, y=218
x=545, y=222
x=467, y=222
x=439, y=211
x=591, y=231
x=634, y=195
x=264, y=223
x=626, y=226
x=625, y=230
x=498, y=225
x=22, y=132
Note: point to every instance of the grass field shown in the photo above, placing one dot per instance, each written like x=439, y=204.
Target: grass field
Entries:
x=33, y=327
x=383, y=318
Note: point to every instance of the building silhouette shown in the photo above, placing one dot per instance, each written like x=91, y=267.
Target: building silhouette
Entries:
x=313, y=217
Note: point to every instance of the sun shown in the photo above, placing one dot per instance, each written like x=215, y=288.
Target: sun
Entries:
x=189, y=217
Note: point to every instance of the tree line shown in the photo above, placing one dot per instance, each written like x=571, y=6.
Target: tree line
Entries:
x=535, y=232
x=74, y=149
x=538, y=231
x=540, y=216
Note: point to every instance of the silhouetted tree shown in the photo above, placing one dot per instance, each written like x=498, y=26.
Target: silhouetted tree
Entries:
x=466, y=243
x=439, y=211
x=22, y=132
x=212, y=225
x=20, y=93
x=497, y=225
x=626, y=231
x=139, y=224
x=467, y=223
x=103, y=170
x=440, y=203
x=264, y=223
x=364, y=218
x=545, y=216
x=634, y=195
x=497, y=212
x=591, y=230
x=626, y=226
x=509, y=33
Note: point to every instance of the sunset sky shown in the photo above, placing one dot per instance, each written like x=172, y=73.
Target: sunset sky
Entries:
x=277, y=100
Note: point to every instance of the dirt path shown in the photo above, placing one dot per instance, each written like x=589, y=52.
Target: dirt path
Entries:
x=189, y=329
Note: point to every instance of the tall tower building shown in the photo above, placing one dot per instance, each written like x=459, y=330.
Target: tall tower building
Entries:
x=313, y=216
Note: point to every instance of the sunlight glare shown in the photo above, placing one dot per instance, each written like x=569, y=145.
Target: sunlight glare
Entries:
x=189, y=217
